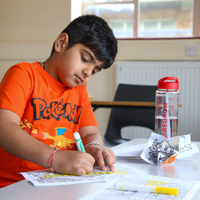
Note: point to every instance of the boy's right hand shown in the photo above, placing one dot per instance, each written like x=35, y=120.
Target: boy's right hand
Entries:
x=23, y=145
x=72, y=162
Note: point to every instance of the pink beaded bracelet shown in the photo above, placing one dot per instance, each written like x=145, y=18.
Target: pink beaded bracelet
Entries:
x=50, y=161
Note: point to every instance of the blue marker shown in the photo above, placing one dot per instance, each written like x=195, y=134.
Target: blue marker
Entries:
x=79, y=142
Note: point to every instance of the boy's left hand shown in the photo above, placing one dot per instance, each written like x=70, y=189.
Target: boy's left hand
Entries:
x=103, y=156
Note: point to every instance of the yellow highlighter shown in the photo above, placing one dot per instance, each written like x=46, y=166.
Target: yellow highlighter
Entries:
x=144, y=188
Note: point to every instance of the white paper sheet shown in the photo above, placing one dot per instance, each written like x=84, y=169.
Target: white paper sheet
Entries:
x=180, y=144
x=45, y=178
x=132, y=151
x=186, y=188
x=194, y=149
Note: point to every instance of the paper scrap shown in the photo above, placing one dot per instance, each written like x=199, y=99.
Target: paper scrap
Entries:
x=159, y=154
x=161, y=150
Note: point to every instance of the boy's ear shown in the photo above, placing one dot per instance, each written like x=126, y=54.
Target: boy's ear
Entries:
x=61, y=42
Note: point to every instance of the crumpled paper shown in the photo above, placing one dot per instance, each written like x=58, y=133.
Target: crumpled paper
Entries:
x=161, y=150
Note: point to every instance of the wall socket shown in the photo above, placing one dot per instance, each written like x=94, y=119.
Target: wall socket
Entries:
x=191, y=50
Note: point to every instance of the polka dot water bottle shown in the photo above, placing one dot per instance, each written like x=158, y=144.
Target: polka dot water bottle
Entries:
x=166, y=112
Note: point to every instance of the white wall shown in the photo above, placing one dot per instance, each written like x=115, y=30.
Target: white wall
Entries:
x=29, y=28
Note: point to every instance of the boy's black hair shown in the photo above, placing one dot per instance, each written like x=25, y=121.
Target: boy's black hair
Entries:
x=93, y=32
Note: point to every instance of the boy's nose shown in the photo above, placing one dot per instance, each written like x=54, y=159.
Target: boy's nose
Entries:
x=87, y=71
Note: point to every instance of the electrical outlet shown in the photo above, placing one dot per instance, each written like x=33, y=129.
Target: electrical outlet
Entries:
x=191, y=50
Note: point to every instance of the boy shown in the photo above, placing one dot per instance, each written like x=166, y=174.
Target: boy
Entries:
x=43, y=104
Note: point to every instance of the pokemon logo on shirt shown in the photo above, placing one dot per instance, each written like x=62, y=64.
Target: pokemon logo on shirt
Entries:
x=55, y=110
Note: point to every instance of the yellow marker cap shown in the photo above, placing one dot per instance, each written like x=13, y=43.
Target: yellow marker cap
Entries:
x=167, y=190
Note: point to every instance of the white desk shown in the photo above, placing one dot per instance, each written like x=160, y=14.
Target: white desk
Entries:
x=182, y=169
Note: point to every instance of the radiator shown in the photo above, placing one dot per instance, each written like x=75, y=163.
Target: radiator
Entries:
x=149, y=72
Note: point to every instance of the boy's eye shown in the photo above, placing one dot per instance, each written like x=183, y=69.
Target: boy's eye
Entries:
x=83, y=59
x=97, y=69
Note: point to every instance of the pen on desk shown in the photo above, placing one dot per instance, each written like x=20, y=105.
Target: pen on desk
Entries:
x=145, y=188
x=79, y=142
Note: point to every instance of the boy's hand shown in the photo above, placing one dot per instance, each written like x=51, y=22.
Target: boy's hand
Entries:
x=73, y=162
x=103, y=156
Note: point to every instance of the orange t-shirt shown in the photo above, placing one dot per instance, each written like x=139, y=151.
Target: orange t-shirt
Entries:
x=48, y=110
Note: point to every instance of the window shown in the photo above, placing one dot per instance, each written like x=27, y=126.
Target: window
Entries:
x=148, y=18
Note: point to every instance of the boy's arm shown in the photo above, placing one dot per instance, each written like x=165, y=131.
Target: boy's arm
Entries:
x=101, y=154
x=19, y=143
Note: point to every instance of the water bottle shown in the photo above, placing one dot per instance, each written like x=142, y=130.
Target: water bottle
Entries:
x=166, y=112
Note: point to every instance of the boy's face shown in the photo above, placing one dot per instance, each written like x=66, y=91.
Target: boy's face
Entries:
x=75, y=66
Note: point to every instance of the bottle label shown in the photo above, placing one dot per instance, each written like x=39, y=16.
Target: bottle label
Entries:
x=165, y=124
x=165, y=120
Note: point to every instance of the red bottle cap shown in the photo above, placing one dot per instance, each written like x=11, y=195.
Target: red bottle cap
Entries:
x=168, y=83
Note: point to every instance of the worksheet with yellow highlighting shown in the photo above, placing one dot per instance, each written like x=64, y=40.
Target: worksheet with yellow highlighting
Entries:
x=47, y=178
x=186, y=188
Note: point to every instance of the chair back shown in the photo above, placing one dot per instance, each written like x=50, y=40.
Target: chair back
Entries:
x=136, y=116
